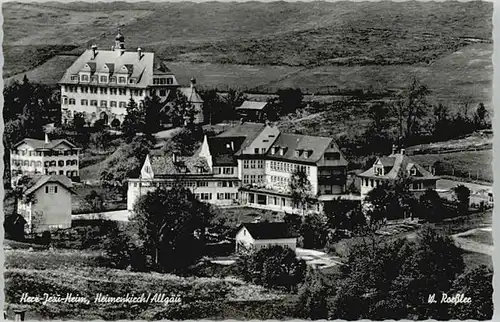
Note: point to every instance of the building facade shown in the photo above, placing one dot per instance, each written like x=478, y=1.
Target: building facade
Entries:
x=100, y=83
x=46, y=203
x=397, y=166
x=255, y=236
x=250, y=164
x=56, y=157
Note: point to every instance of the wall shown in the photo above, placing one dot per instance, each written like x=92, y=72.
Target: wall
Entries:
x=54, y=208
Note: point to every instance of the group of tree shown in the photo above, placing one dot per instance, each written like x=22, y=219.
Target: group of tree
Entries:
x=396, y=201
x=167, y=232
x=393, y=280
x=410, y=119
x=273, y=267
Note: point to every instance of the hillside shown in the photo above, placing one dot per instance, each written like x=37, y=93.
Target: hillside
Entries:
x=276, y=33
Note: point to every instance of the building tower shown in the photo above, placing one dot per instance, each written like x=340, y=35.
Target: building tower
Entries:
x=120, y=42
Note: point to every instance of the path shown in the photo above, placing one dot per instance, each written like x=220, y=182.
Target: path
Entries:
x=471, y=245
x=317, y=258
x=116, y=215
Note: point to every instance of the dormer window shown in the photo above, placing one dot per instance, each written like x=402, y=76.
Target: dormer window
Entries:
x=379, y=171
x=282, y=151
x=84, y=78
x=74, y=77
x=104, y=79
x=122, y=80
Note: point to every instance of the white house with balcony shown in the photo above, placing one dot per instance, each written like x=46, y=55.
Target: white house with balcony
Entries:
x=47, y=157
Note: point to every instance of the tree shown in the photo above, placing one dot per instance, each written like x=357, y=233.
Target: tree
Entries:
x=100, y=140
x=313, y=231
x=376, y=133
x=233, y=99
x=477, y=284
x=431, y=206
x=409, y=108
x=462, y=197
x=391, y=201
x=300, y=189
x=185, y=142
x=115, y=123
x=171, y=226
x=313, y=296
x=290, y=99
x=273, y=267
x=94, y=201
x=134, y=121
x=480, y=116
x=181, y=111
x=151, y=107
x=213, y=106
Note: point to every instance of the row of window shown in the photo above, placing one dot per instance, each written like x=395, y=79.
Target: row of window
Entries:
x=104, y=104
x=70, y=174
x=253, y=164
x=227, y=184
x=223, y=170
x=102, y=79
x=226, y=196
x=44, y=153
x=53, y=163
x=249, y=179
x=51, y=189
x=163, y=81
x=279, y=180
x=104, y=90
x=288, y=167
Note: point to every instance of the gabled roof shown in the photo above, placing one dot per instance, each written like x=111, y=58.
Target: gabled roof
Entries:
x=37, y=181
x=223, y=150
x=115, y=62
x=248, y=130
x=41, y=145
x=401, y=163
x=270, y=230
x=164, y=165
x=191, y=94
x=252, y=105
x=292, y=142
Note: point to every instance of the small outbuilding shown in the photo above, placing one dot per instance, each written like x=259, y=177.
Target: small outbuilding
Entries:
x=254, y=236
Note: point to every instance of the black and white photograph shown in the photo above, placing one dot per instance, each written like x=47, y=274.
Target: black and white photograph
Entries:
x=248, y=160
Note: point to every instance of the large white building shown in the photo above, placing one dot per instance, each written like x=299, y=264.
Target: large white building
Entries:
x=56, y=157
x=100, y=83
x=249, y=164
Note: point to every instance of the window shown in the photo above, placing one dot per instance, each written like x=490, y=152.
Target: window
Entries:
x=413, y=171
x=104, y=104
x=122, y=80
x=84, y=78
x=72, y=101
x=228, y=170
x=103, y=90
x=202, y=184
x=170, y=81
x=112, y=79
x=252, y=164
x=74, y=77
x=245, y=179
x=123, y=104
x=256, y=150
x=51, y=189
x=371, y=182
x=85, y=102
x=113, y=91
x=263, y=150
x=245, y=164
x=122, y=91
x=60, y=163
x=260, y=164
x=93, y=78
x=112, y=103
x=131, y=81
x=93, y=102
x=93, y=90
x=104, y=79
x=84, y=89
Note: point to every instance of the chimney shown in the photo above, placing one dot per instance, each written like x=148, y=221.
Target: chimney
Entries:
x=94, y=51
x=19, y=315
x=47, y=138
x=139, y=52
x=402, y=151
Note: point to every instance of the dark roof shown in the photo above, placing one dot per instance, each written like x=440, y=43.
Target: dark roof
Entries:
x=398, y=164
x=270, y=230
x=164, y=165
x=37, y=181
x=317, y=145
x=40, y=144
x=223, y=149
x=247, y=130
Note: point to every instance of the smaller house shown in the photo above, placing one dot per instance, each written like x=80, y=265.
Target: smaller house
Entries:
x=390, y=169
x=195, y=99
x=253, y=111
x=45, y=203
x=255, y=236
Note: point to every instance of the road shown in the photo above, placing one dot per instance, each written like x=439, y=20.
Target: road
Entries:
x=117, y=215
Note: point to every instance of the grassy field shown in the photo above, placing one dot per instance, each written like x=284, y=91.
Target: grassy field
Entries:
x=344, y=45
x=479, y=163
x=480, y=236
x=79, y=272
